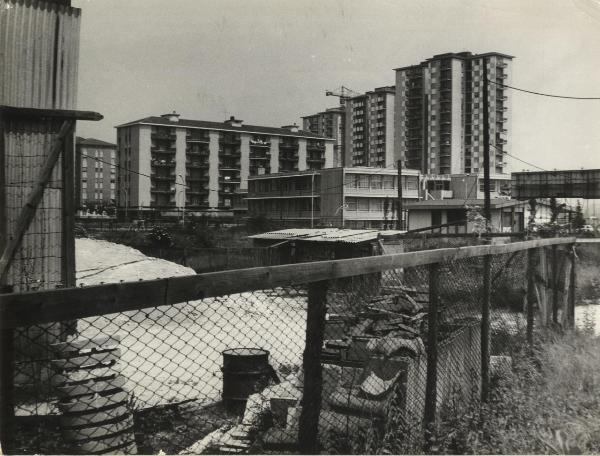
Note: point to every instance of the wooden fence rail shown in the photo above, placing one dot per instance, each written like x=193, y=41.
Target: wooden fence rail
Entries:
x=29, y=308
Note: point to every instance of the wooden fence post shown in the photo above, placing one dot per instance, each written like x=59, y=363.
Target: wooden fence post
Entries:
x=308, y=432
x=572, y=288
x=485, y=328
x=530, y=294
x=432, y=335
x=7, y=410
x=554, y=284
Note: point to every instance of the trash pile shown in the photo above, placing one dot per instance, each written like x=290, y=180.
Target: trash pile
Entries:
x=365, y=356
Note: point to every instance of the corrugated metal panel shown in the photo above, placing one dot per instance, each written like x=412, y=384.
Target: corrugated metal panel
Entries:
x=37, y=263
x=326, y=235
x=39, y=52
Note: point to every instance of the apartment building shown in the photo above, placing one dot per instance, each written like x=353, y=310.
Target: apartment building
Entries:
x=357, y=197
x=200, y=165
x=329, y=123
x=95, y=172
x=439, y=113
x=369, y=129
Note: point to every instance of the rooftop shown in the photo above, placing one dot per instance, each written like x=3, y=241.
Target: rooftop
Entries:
x=326, y=235
x=224, y=126
x=93, y=142
x=457, y=203
x=457, y=55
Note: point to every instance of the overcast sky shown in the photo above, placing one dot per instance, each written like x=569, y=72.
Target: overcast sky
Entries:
x=269, y=62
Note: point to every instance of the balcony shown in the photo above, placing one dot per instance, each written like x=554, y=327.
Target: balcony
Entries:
x=319, y=147
x=288, y=158
x=159, y=178
x=162, y=164
x=229, y=153
x=230, y=141
x=163, y=136
x=197, y=179
x=163, y=150
x=198, y=153
x=315, y=160
x=233, y=180
x=229, y=167
x=197, y=139
x=266, y=156
x=259, y=143
x=162, y=191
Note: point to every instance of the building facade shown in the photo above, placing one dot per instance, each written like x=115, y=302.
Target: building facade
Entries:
x=439, y=113
x=96, y=176
x=369, y=129
x=170, y=163
x=330, y=124
x=356, y=197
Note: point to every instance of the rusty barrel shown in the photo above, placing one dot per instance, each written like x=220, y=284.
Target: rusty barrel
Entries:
x=245, y=371
x=95, y=416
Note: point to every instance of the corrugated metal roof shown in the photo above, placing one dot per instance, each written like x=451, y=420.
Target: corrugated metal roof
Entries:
x=325, y=235
x=454, y=203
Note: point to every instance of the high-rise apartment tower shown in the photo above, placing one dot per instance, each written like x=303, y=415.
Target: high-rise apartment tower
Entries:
x=439, y=113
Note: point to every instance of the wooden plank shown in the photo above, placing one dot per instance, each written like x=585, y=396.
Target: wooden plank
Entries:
x=83, y=344
x=29, y=308
x=66, y=114
x=28, y=212
x=67, y=421
x=106, y=445
x=92, y=387
x=90, y=404
x=87, y=360
x=68, y=210
x=97, y=431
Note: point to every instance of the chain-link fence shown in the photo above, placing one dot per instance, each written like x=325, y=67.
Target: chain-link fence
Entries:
x=353, y=356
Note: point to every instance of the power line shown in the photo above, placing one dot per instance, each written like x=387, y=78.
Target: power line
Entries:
x=544, y=94
x=517, y=158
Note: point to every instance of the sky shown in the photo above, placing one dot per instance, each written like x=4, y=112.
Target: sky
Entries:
x=269, y=62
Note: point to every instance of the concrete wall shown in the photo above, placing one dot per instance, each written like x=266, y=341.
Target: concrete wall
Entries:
x=274, y=149
x=244, y=160
x=332, y=181
x=457, y=152
x=213, y=169
x=302, y=165
x=180, y=147
x=329, y=154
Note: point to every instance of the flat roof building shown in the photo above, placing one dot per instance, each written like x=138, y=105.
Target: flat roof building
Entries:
x=171, y=163
x=357, y=197
x=369, y=129
x=331, y=124
x=95, y=173
x=439, y=113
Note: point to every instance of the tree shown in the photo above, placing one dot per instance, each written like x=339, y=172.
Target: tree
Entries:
x=386, y=209
x=555, y=209
x=579, y=219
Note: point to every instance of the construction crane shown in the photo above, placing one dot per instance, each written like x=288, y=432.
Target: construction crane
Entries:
x=343, y=93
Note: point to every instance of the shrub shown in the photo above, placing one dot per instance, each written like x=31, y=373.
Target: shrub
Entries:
x=160, y=237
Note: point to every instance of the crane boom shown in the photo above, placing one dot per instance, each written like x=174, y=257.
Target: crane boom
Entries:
x=343, y=93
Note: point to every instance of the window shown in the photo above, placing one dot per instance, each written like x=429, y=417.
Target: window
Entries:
x=363, y=181
x=363, y=204
x=376, y=205
x=351, y=203
x=376, y=182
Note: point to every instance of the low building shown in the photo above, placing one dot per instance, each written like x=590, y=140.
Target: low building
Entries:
x=95, y=173
x=357, y=197
x=450, y=215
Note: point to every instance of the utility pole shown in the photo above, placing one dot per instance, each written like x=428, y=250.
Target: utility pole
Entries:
x=400, y=208
x=487, y=213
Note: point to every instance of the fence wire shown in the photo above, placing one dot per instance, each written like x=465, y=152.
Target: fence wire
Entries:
x=225, y=374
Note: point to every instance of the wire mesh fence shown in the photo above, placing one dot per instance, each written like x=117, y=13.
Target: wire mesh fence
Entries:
x=362, y=357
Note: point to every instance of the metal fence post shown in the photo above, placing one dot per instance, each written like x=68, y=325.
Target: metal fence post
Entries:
x=6, y=389
x=555, y=284
x=572, y=288
x=308, y=432
x=432, y=335
x=530, y=294
x=485, y=328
